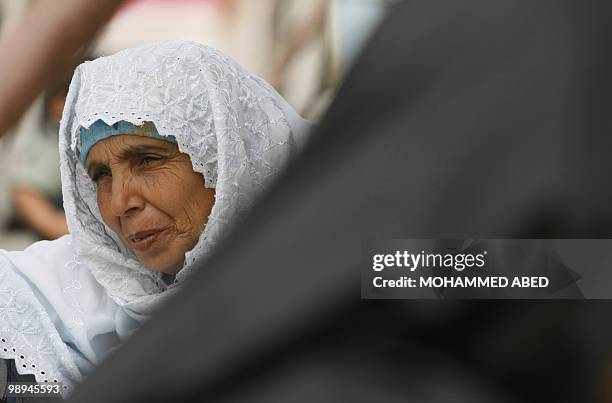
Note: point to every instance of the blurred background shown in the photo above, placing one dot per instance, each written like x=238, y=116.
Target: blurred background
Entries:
x=303, y=48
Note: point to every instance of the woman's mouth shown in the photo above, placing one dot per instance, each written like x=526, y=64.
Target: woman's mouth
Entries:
x=143, y=240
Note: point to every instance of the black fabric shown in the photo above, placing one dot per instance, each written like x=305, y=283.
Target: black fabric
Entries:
x=470, y=119
x=4, y=373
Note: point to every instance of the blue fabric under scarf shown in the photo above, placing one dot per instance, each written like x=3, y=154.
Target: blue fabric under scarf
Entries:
x=100, y=131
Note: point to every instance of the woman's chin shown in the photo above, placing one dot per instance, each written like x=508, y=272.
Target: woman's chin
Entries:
x=164, y=261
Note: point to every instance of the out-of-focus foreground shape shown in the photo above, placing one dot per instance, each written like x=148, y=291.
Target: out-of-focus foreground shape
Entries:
x=40, y=45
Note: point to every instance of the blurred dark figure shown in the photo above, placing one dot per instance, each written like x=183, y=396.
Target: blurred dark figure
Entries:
x=472, y=119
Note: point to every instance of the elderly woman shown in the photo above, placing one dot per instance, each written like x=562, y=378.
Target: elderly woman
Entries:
x=162, y=148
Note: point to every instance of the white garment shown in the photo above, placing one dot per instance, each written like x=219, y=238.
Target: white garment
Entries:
x=65, y=304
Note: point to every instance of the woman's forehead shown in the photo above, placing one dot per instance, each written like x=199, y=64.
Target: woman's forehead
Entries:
x=123, y=146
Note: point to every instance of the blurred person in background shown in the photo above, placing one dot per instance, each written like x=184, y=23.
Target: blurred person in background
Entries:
x=302, y=67
x=162, y=148
x=315, y=44
x=35, y=174
x=10, y=12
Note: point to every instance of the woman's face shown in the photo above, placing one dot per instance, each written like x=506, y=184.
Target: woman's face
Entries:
x=151, y=197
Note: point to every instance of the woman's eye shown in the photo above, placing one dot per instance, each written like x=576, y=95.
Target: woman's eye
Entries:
x=148, y=160
x=100, y=175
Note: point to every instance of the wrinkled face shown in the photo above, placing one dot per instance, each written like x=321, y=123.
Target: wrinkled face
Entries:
x=151, y=197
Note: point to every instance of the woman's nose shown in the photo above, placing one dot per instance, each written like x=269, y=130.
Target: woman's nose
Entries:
x=125, y=197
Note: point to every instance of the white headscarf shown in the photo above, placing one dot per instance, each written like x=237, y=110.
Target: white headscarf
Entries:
x=65, y=304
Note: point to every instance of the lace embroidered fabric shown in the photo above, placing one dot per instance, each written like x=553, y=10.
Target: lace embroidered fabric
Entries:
x=239, y=134
x=28, y=334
